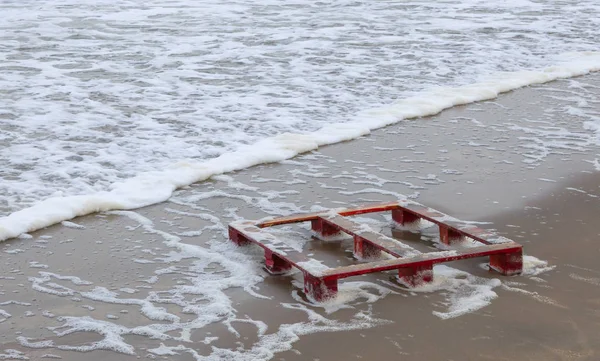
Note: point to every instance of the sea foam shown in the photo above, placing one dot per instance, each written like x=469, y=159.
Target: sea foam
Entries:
x=156, y=186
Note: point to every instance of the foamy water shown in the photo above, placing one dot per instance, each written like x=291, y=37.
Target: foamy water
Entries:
x=98, y=94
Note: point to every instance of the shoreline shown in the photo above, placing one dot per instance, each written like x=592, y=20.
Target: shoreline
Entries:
x=155, y=187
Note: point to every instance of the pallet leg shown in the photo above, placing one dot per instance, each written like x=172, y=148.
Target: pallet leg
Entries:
x=237, y=238
x=364, y=249
x=403, y=217
x=323, y=228
x=507, y=263
x=416, y=276
x=318, y=288
x=275, y=264
x=449, y=236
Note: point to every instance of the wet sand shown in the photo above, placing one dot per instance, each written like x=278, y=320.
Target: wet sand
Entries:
x=482, y=162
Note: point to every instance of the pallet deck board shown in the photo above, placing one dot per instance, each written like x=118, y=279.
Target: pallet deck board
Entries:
x=379, y=207
x=270, y=242
x=386, y=244
x=429, y=258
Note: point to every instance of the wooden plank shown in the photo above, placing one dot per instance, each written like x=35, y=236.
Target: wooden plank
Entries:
x=383, y=242
x=270, y=242
x=427, y=213
x=380, y=207
x=465, y=229
x=420, y=260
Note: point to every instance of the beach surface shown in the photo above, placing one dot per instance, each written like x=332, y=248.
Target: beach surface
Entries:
x=164, y=281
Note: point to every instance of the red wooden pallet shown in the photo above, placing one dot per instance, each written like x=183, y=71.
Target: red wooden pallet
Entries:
x=414, y=267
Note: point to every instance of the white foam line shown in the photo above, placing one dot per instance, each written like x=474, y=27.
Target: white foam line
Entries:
x=157, y=186
x=536, y=296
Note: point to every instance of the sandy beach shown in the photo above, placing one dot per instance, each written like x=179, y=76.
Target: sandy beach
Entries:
x=164, y=282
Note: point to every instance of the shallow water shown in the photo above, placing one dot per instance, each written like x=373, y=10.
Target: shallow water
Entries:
x=98, y=91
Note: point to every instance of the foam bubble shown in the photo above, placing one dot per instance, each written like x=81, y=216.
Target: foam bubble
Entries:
x=533, y=266
x=4, y=315
x=11, y=354
x=466, y=293
x=349, y=293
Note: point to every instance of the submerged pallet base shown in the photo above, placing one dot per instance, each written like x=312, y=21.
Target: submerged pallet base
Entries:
x=414, y=268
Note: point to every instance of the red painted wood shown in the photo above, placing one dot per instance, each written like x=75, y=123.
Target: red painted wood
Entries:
x=363, y=249
x=404, y=217
x=324, y=229
x=423, y=259
x=417, y=275
x=449, y=236
x=413, y=270
x=237, y=237
x=507, y=263
x=320, y=288
x=377, y=240
x=276, y=264
x=380, y=207
x=246, y=233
